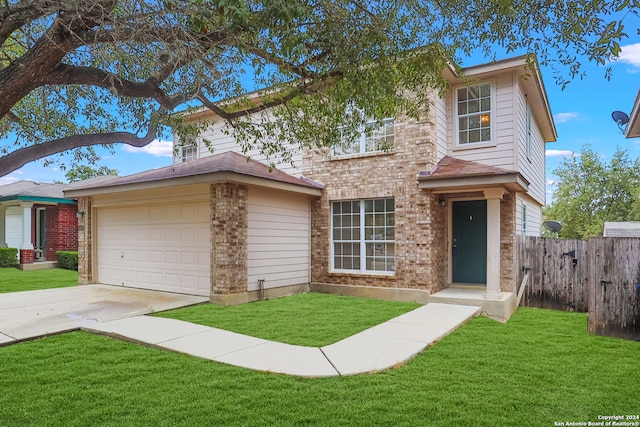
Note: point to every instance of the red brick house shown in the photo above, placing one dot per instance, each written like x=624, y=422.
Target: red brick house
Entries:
x=36, y=219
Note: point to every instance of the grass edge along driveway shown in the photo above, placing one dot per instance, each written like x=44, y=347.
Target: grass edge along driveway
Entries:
x=538, y=369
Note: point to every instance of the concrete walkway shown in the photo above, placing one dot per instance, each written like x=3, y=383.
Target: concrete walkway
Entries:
x=378, y=348
x=31, y=314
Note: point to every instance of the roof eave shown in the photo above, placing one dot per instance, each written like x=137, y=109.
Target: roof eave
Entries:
x=633, y=126
x=511, y=181
x=222, y=176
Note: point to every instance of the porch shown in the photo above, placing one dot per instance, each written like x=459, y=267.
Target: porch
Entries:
x=499, y=308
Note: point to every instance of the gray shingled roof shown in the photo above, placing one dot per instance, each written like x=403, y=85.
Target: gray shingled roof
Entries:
x=33, y=189
x=224, y=162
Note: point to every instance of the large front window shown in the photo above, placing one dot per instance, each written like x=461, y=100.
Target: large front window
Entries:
x=363, y=236
x=474, y=114
x=375, y=136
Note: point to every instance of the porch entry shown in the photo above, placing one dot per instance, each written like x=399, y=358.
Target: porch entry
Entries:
x=469, y=242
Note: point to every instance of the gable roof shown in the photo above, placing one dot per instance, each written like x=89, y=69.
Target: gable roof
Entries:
x=228, y=166
x=31, y=191
x=451, y=174
x=529, y=78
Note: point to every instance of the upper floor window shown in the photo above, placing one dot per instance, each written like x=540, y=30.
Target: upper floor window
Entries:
x=188, y=151
x=474, y=114
x=375, y=136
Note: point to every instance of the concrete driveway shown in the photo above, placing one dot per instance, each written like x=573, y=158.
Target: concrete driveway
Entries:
x=31, y=314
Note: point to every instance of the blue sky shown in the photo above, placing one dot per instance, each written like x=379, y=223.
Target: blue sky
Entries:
x=582, y=113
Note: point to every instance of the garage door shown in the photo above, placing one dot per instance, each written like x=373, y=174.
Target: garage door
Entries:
x=161, y=247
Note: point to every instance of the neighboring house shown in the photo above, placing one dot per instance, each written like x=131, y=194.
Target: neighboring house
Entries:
x=622, y=229
x=36, y=219
x=632, y=129
x=440, y=206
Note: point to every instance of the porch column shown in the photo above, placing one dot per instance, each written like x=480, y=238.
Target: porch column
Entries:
x=493, y=196
x=26, y=244
x=3, y=233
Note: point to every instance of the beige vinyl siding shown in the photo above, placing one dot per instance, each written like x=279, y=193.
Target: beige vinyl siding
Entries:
x=500, y=152
x=534, y=215
x=442, y=130
x=222, y=143
x=532, y=167
x=278, y=239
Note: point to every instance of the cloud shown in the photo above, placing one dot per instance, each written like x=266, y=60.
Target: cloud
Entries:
x=551, y=182
x=630, y=54
x=560, y=153
x=8, y=180
x=156, y=148
x=565, y=117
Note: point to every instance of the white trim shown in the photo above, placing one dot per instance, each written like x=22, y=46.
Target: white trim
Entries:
x=492, y=117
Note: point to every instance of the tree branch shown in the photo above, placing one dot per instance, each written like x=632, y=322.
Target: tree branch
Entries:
x=18, y=158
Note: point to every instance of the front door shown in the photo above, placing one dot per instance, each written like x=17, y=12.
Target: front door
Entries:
x=469, y=244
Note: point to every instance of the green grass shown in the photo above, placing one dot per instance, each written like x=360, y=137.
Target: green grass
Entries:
x=539, y=368
x=14, y=280
x=310, y=319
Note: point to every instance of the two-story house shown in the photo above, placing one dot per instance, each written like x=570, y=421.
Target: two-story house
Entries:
x=414, y=209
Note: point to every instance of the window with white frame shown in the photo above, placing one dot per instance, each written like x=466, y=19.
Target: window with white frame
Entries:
x=363, y=236
x=524, y=219
x=473, y=105
x=189, y=150
x=375, y=136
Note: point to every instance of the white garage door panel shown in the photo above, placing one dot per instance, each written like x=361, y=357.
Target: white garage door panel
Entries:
x=162, y=247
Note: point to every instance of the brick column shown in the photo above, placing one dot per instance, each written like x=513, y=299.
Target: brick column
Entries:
x=85, y=273
x=229, y=220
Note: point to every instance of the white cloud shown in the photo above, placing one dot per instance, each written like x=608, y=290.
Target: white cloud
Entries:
x=156, y=148
x=565, y=117
x=8, y=180
x=560, y=153
x=551, y=182
x=630, y=54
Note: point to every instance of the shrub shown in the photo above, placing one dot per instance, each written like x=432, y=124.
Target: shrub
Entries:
x=8, y=257
x=67, y=259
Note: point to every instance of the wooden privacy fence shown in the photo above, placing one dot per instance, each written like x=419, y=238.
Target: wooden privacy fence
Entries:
x=600, y=276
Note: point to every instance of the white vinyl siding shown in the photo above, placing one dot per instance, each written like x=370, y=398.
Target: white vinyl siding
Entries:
x=160, y=246
x=441, y=128
x=13, y=227
x=278, y=239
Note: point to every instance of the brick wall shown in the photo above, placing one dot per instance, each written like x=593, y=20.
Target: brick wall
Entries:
x=419, y=226
x=85, y=273
x=422, y=223
x=229, y=220
x=61, y=227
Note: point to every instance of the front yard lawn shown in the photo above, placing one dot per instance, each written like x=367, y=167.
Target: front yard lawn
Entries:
x=14, y=280
x=538, y=369
x=310, y=319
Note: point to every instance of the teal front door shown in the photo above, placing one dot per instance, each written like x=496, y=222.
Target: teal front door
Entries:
x=469, y=242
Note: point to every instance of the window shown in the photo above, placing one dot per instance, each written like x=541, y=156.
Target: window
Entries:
x=474, y=114
x=363, y=236
x=529, y=124
x=376, y=136
x=524, y=219
x=189, y=150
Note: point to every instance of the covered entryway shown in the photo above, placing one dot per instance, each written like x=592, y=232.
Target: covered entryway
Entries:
x=469, y=242
x=160, y=246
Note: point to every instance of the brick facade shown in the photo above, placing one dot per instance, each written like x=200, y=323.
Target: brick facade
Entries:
x=421, y=222
x=229, y=220
x=61, y=229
